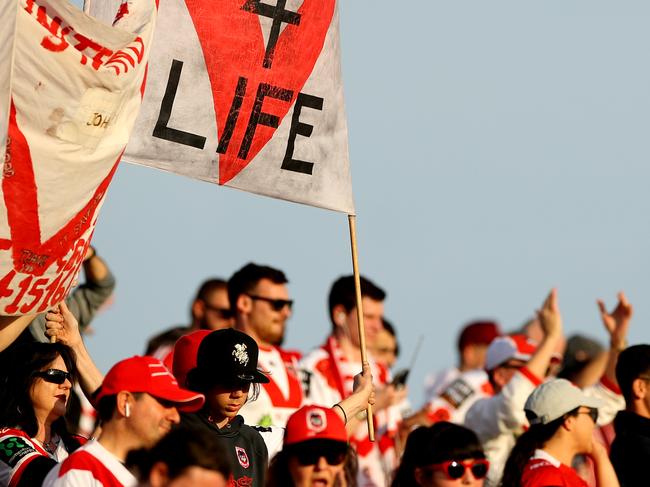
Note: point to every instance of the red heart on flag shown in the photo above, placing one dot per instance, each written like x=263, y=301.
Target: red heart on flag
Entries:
x=233, y=45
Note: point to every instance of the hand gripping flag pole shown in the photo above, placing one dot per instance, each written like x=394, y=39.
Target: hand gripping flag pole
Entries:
x=362, y=331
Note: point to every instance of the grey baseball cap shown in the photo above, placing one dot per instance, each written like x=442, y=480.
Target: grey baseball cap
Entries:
x=552, y=399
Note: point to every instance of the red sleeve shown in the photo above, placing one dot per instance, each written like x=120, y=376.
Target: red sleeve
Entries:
x=530, y=376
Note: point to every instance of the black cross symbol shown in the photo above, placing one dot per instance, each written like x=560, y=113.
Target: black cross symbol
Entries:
x=279, y=16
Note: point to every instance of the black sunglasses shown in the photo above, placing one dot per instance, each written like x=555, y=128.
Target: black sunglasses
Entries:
x=455, y=469
x=593, y=414
x=54, y=376
x=225, y=313
x=276, y=304
x=310, y=454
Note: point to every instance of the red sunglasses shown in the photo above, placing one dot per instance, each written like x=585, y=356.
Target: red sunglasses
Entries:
x=455, y=469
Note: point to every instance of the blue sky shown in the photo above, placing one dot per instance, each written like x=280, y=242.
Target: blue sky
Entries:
x=498, y=149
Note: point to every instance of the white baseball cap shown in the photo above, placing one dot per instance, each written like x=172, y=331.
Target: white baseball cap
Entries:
x=552, y=399
x=513, y=347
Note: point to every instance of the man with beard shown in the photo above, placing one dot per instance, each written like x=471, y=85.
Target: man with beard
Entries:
x=260, y=302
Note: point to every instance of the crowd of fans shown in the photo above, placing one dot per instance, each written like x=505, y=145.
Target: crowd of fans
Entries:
x=220, y=402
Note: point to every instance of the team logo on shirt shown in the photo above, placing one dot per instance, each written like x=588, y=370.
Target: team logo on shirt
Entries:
x=240, y=353
x=316, y=421
x=242, y=457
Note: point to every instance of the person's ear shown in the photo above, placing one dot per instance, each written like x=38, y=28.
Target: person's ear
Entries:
x=198, y=309
x=639, y=388
x=159, y=475
x=339, y=315
x=244, y=304
x=569, y=422
x=123, y=403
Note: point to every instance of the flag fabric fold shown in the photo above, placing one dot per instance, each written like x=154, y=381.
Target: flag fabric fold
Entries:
x=247, y=95
x=75, y=92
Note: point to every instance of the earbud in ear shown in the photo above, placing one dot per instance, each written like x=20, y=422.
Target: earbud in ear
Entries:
x=127, y=410
x=340, y=318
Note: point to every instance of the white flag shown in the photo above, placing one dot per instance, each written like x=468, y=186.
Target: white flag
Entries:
x=75, y=93
x=248, y=95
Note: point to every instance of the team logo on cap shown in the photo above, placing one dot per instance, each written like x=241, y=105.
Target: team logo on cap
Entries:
x=240, y=353
x=242, y=457
x=316, y=421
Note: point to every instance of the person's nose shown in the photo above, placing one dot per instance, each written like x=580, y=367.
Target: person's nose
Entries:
x=173, y=416
x=321, y=464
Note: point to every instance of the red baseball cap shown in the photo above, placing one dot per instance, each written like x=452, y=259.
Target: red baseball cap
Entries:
x=314, y=423
x=148, y=374
x=184, y=354
x=478, y=333
x=514, y=347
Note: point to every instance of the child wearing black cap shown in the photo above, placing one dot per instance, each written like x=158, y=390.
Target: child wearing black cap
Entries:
x=226, y=372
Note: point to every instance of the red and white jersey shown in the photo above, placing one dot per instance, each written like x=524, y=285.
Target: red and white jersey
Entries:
x=282, y=396
x=455, y=399
x=18, y=451
x=90, y=466
x=543, y=470
x=329, y=378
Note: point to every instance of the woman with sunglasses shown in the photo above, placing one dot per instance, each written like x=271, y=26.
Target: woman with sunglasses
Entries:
x=442, y=455
x=34, y=392
x=562, y=421
x=315, y=452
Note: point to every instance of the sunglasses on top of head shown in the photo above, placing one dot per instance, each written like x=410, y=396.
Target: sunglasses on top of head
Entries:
x=455, y=469
x=276, y=304
x=54, y=376
x=310, y=454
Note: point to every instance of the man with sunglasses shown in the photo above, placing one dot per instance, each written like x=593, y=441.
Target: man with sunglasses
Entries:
x=260, y=301
x=137, y=403
x=630, y=451
x=499, y=419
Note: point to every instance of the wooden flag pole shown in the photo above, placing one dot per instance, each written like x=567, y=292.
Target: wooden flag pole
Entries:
x=362, y=330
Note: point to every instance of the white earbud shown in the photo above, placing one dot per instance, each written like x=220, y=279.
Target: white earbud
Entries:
x=127, y=410
x=340, y=318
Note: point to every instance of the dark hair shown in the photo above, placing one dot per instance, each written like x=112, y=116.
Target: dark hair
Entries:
x=245, y=279
x=181, y=449
x=343, y=293
x=167, y=337
x=388, y=326
x=533, y=439
x=632, y=362
x=209, y=286
x=279, y=474
x=438, y=443
x=19, y=367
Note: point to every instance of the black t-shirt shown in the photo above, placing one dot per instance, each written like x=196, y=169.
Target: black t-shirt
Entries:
x=244, y=445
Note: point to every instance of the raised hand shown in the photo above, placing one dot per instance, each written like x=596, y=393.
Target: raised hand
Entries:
x=549, y=315
x=61, y=324
x=617, y=322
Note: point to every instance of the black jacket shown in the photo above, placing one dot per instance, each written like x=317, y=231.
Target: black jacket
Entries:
x=630, y=453
x=244, y=445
